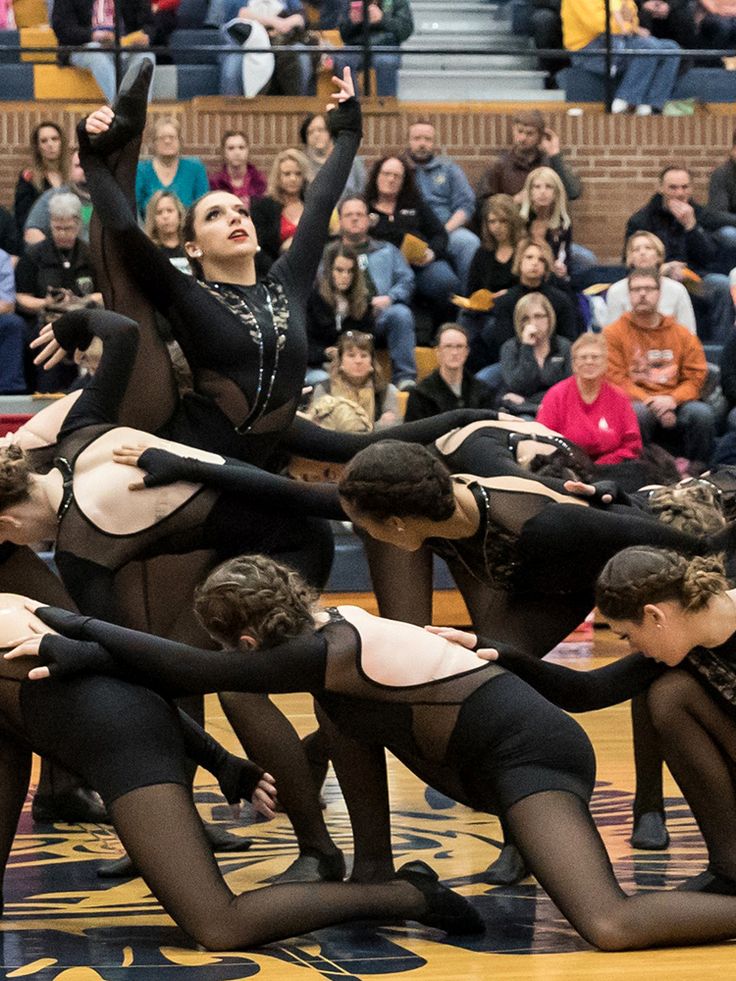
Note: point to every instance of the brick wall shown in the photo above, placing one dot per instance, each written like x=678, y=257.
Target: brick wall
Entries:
x=618, y=157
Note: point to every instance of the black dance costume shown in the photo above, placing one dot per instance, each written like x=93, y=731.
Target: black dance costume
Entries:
x=467, y=733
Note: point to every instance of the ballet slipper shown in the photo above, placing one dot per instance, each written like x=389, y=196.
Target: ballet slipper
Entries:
x=445, y=909
x=313, y=866
x=74, y=806
x=709, y=881
x=650, y=832
x=508, y=868
x=130, y=107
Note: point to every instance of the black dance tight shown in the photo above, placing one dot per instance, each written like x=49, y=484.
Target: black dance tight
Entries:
x=698, y=740
x=177, y=864
x=561, y=845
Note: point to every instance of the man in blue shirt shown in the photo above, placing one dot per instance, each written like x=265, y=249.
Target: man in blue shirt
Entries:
x=447, y=191
x=12, y=332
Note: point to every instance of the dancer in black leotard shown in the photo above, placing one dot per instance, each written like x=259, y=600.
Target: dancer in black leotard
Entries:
x=383, y=684
x=130, y=743
x=680, y=614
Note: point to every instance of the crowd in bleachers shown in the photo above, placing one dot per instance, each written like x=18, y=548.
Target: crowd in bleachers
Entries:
x=493, y=278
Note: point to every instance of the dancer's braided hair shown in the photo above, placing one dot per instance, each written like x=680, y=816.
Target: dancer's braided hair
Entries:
x=691, y=508
x=15, y=476
x=253, y=594
x=391, y=478
x=641, y=575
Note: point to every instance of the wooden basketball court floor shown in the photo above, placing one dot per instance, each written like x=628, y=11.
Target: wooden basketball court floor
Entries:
x=62, y=923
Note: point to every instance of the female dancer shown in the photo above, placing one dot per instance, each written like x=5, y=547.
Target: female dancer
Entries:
x=382, y=684
x=131, y=743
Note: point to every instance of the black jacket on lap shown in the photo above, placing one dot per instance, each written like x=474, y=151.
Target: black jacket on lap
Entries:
x=433, y=395
x=324, y=327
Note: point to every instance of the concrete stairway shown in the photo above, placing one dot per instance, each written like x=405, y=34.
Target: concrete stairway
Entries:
x=458, y=25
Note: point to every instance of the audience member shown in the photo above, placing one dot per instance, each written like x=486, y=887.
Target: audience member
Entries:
x=644, y=83
x=53, y=275
x=661, y=366
x=644, y=250
x=167, y=170
x=164, y=223
x=318, y=145
x=683, y=227
x=543, y=207
x=533, y=144
x=535, y=359
x=390, y=23
x=356, y=376
x=533, y=263
x=276, y=215
x=722, y=203
x=546, y=29
x=91, y=23
x=284, y=23
x=728, y=378
x=716, y=24
x=445, y=188
x=400, y=215
x=38, y=222
x=12, y=332
x=671, y=19
x=501, y=230
x=8, y=236
x=237, y=174
x=390, y=283
x=49, y=168
x=339, y=302
x=589, y=410
x=450, y=386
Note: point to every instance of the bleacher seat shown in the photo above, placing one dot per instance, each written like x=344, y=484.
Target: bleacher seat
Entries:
x=194, y=80
x=16, y=82
x=183, y=45
x=8, y=39
x=704, y=84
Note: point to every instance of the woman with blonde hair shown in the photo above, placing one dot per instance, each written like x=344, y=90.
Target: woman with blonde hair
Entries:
x=277, y=214
x=544, y=209
x=645, y=250
x=535, y=359
x=501, y=229
x=167, y=170
x=590, y=411
x=165, y=223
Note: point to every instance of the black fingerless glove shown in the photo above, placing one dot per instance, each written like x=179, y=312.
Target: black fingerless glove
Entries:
x=72, y=330
x=163, y=467
x=237, y=778
x=64, y=621
x=346, y=117
x=65, y=657
x=604, y=487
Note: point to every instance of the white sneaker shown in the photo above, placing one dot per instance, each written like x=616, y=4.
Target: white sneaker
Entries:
x=644, y=110
x=619, y=106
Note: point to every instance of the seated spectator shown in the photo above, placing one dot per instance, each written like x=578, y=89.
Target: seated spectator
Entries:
x=38, y=222
x=644, y=250
x=276, y=215
x=728, y=378
x=389, y=24
x=546, y=22
x=165, y=222
x=532, y=264
x=661, y=366
x=49, y=169
x=535, y=359
x=12, y=332
x=167, y=170
x=398, y=214
x=685, y=229
x=501, y=230
x=8, y=235
x=716, y=24
x=644, y=83
x=445, y=188
x=284, y=22
x=390, y=284
x=318, y=145
x=89, y=23
x=671, y=19
x=338, y=303
x=237, y=175
x=449, y=386
x=53, y=276
x=544, y=209
x=590, y=411
x=356, y=376
x=722, y=204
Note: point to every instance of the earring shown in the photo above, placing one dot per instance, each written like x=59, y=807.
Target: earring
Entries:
x=197, y=254
x=258, y=248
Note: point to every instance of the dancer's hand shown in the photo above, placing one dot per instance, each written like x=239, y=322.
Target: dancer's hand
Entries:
x=582, y=489
x=51, y=351
x=129, y=455
x=345, y=87
x=462, y=637
x=264, y=797
x=487, y=654
x=99, y=121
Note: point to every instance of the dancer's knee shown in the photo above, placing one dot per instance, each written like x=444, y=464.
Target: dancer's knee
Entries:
x=668, y=696
x=610, y=929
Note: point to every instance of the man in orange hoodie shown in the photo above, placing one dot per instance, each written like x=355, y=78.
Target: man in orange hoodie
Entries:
x=661, y=366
